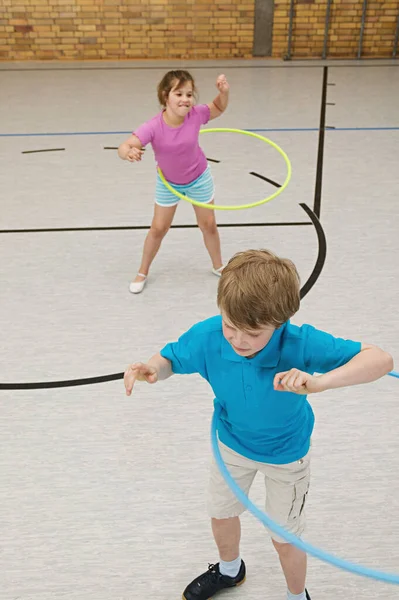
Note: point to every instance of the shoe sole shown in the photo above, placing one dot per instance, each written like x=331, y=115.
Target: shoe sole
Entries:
x=236, y=585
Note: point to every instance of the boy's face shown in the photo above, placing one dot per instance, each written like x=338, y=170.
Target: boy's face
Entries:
x=246, y=343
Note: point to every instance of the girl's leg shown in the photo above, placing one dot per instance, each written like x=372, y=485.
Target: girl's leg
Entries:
x=161, y=222
x=207, y=223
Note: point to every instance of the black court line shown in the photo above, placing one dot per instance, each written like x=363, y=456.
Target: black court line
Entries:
x=321, y=256
x=143, y=227
x=320, y=151
x=277, y=185
x=45, y=150
x=116, y=148
x=300, y=63
x=43, y=385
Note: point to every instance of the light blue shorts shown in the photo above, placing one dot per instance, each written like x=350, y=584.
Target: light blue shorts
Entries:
x=201, y=189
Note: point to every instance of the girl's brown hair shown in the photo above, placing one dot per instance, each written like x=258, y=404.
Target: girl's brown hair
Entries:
x=171, y=80
x=258, y=288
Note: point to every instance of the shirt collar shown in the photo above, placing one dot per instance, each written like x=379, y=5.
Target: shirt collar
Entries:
x=269, y=356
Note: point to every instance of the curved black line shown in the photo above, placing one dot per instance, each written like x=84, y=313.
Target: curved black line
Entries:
x=59, y=384
x=144, y=227
x=45, y=150
x=277, y=185
x=321, y=257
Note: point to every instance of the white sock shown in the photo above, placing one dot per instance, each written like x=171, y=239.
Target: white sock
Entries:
x=296, y=596
x=231, y=568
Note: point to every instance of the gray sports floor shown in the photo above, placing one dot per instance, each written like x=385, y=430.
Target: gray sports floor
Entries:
x=101, y=496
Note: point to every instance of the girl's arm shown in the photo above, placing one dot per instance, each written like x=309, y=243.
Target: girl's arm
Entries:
x=219, y=104
x=131, y=149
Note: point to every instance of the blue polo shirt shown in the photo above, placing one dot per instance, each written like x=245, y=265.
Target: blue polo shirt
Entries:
x=257, y=421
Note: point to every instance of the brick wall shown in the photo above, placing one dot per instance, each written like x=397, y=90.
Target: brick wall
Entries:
x=114, y=29
x=344, y=28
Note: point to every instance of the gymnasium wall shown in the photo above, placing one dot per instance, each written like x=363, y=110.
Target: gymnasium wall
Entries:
x=343, y=31
x=190, y=29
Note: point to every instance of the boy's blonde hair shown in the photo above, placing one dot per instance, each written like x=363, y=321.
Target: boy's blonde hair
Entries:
x=258, y=288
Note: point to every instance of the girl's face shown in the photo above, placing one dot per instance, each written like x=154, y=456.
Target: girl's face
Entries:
x=181, y=99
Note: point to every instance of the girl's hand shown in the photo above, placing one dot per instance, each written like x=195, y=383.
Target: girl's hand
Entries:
x=222, y=84
x=134, y=155
x=298, y=382
x=139, y=372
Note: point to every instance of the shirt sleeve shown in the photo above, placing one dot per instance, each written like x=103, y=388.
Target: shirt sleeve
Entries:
x=145, y=133
x=203, y=112
x=324, y=352
x=187, y=355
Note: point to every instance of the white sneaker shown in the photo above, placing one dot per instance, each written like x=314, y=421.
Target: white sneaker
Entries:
x=218, y=272
x=136, y=287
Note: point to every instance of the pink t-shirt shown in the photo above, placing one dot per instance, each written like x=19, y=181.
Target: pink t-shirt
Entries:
x=177, y=150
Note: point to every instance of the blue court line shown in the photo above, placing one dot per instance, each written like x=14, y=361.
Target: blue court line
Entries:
x=62, y=133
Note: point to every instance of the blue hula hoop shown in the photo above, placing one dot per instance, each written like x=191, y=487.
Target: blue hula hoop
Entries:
x=322, y=555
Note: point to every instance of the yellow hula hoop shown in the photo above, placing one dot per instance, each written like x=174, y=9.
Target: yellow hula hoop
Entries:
x=241, y=206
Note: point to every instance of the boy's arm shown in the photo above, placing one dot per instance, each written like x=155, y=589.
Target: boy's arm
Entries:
x=156, y=369
x=219, y=104
x=162, y=365
x=183, y=357
x=369, y=364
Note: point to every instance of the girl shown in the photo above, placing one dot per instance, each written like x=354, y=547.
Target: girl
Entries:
x=173, y=134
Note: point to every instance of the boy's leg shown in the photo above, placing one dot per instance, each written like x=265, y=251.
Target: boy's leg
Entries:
x=223, y=506
x=293, y=562
x=224, y=510
x=286, y=491
x=227, y=534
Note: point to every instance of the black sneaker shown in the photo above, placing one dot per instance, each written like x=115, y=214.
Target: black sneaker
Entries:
x=211, y=582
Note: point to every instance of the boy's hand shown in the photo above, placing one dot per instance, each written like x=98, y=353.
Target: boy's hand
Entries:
x=222, y=84
x=298, y=382
x=134, y=155
x=139, y=372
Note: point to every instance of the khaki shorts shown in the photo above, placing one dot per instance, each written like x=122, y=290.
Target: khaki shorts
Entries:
x=286, y=490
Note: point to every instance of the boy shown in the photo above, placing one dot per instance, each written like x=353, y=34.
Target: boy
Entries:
x=261, y=368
